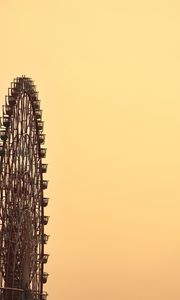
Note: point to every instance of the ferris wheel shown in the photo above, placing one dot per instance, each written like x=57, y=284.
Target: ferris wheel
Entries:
x=22, y=199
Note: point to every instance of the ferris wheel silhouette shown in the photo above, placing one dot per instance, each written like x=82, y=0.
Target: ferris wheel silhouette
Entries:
x=22, y=199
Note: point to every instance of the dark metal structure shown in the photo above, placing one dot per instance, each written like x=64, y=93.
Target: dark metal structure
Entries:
x=22, y=200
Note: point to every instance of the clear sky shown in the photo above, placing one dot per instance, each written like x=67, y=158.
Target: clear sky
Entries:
x=108, y=76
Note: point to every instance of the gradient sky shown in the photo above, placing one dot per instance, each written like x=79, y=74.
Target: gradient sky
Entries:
x=107, y=72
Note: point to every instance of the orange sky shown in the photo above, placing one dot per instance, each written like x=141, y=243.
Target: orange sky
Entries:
x=108, y=76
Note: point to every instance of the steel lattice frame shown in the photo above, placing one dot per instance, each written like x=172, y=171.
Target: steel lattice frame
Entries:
x=22, y=200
